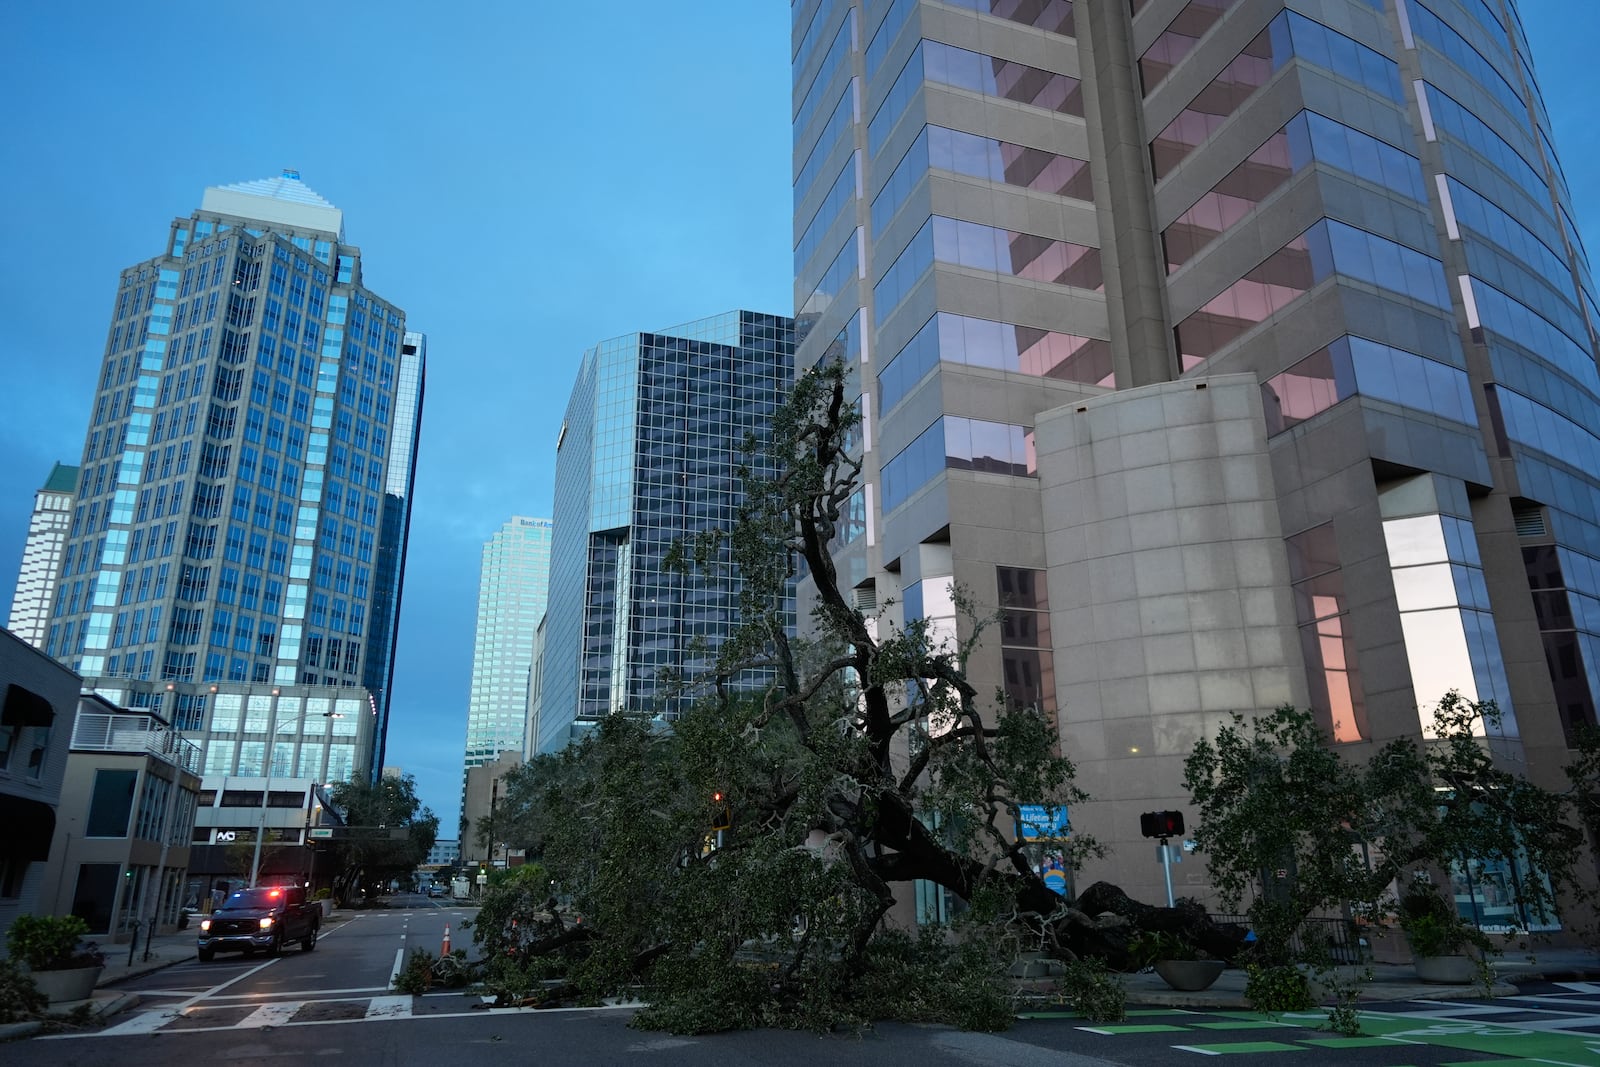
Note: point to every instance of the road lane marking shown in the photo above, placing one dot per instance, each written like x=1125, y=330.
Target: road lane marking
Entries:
x=323, y=993
x=145, y=1022
x=268, y=1015
x=389, y=1008
x=399, y=961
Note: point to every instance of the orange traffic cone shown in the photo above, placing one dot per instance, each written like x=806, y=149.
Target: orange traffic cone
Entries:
x=444, y=948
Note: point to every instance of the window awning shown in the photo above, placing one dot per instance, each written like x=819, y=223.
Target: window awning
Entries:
x=30, y=824
x=24, y=707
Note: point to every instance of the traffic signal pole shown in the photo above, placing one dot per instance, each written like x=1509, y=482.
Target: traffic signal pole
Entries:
x=1166, y=868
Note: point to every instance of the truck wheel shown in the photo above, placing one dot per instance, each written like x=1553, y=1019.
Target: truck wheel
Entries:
x=206, y=954
x=311, y=939
x=277, y=945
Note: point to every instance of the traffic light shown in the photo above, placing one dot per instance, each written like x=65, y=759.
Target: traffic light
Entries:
x=1161, y=824
x=721, y=811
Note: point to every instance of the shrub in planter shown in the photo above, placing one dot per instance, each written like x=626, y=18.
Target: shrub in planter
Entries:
x=52, y=943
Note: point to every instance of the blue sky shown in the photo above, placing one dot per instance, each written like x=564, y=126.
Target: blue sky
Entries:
x=524, y=178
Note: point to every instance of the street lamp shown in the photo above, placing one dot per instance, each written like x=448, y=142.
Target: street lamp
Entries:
x=266, y=792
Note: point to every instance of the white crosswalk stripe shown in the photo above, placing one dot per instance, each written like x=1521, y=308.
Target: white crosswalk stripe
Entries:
x=389, y=1008
x=268, y=1015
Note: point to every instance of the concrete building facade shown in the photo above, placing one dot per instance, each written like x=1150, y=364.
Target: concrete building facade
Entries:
x=1242, y=349
x=120, y=857
x=41, y=554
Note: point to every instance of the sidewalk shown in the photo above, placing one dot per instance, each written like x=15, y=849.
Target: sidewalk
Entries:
x=1389, y=982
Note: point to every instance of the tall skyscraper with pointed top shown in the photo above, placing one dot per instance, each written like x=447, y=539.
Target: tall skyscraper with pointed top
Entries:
x=236, y=547
x=41, y=554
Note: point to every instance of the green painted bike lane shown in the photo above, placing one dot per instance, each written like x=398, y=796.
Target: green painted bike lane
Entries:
x=1199, y=1032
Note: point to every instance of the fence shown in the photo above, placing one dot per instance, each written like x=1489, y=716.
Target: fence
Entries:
x=1339, y=938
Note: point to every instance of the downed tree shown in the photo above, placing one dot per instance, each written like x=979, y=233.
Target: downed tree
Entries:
x=752, y=853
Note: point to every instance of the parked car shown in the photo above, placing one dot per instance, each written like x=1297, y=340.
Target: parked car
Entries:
x=267, y=918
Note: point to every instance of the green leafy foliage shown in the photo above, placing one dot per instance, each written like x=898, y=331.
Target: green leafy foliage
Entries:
x=20, y=999
x=1290, y=824
x=52, y=943
x=368, y=855
x=1277, y=987
x=853, y=761
x=1094, y=992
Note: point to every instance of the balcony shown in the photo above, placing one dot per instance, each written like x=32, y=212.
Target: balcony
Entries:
x=99, y=732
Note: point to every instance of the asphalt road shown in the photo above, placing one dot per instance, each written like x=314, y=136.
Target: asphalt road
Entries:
x=337, y=1002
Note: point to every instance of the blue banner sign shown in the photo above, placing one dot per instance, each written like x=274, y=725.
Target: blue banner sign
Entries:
x=1043, y=822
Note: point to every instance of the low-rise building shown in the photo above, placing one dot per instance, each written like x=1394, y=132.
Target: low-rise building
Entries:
x=120, y=857
x=37, y=700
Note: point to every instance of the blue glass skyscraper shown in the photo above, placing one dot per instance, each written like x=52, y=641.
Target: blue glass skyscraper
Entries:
x=238, y=538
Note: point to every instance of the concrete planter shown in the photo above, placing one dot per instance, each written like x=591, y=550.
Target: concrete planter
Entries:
x=61, y=987
x=1447, y=970
x=327, y=907
x=1190, y=976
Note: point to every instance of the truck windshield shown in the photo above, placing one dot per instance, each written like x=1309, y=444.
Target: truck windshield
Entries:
x=255, y=898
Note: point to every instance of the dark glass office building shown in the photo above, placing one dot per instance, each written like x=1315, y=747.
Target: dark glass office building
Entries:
x=649, y=453
x=1244, y=349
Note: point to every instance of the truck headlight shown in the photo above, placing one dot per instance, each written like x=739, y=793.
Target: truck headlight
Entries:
x=266, y=924
x=205, y=925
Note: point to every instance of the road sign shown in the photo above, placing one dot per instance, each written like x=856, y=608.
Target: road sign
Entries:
x=321, y=833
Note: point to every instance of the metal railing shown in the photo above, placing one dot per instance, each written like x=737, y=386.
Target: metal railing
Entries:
x=1338, y=938
x=102, y=732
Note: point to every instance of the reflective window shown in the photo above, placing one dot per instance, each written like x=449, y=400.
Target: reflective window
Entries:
x=960, y=444
x=1444, y=608
x=1568, y=621
x=1306, y=137
x=887, y=31
x=843, y=112
x=1054, y=16
x=838, y=52
x=980, y=157
x=1027, y=668
x=1523, y=326
x=845, y=268
x=1180, y=36
x=1353, y=365
x=1330, y=652
x=942, y=64
x=813, y=35
x=1436, y=32
x=1328, y=247
x=973, y=245
x=1452, y=118
x=1287, y=37
x=1476, y=212
x=843, y=193
x=1002, y=346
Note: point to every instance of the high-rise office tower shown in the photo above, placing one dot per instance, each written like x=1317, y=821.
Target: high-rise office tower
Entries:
x=649, y=453
x=1242, y=349
x=239, y=531
x=41, y=554
x=511, y=601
